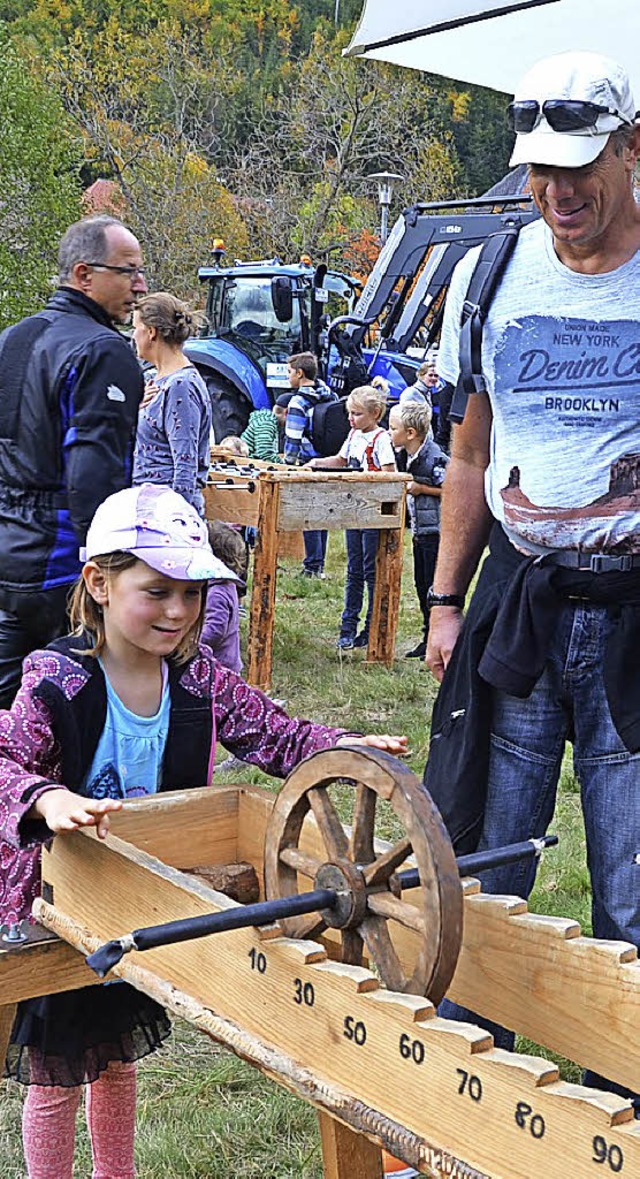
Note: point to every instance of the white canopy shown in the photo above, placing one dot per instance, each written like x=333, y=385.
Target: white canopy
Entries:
x=493, y=42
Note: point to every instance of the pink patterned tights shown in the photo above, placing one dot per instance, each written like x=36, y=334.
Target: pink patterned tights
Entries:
x=49, y=1126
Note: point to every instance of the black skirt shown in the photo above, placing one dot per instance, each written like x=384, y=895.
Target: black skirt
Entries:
x=70, y=1038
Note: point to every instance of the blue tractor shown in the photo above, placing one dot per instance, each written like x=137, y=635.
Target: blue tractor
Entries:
x=258, y=314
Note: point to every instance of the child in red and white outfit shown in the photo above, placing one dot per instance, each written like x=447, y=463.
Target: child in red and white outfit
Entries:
x=367, y=448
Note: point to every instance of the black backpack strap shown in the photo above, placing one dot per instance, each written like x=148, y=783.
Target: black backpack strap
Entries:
x=489, y=269
x=15, y=355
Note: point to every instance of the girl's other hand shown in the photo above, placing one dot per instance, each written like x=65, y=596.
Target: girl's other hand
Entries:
x=64, y=811
x=390, y=744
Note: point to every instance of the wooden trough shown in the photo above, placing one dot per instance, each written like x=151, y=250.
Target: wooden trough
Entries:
x=380, y=1066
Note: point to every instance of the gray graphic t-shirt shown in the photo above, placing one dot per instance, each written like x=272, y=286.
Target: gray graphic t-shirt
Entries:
x=561, y=359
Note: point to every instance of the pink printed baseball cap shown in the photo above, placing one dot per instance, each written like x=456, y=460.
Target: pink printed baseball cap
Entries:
x=157, y=525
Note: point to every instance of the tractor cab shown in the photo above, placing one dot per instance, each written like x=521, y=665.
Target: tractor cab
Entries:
x=268, y=311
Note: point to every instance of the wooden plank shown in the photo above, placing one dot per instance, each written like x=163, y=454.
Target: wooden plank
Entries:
x=199, y=824
x=509, y=955
x=442, y=1085
x=536, y=974
x=345, y=1154
x=231, y=504
x=386, y=598
x=254, y=809
x=284, y=474
x=263, y=596
x=44, y=966
x=225, y=460
x=290, y=546
x=332, y=504
x=575, y=994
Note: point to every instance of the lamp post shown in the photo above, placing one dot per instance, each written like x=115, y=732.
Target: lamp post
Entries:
x=385, y=182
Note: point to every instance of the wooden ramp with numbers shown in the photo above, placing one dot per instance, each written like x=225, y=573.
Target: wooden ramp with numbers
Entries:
x=380, y=1066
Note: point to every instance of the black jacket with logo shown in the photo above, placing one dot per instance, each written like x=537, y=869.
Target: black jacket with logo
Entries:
x=70, y=387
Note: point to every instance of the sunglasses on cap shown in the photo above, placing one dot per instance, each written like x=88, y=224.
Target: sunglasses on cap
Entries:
x=562, y=114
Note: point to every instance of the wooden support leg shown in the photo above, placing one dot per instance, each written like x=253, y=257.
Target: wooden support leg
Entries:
x=345, y=1154
x=7, y=1016
x=386, y=599
x=263, y=596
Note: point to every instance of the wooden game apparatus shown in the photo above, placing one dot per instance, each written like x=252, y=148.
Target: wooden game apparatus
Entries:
x=232, y=494
x=358, y=888
x=379, y=1064
x=282, y=500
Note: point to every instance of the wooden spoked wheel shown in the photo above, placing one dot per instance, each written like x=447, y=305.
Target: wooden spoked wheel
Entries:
x=365, y=878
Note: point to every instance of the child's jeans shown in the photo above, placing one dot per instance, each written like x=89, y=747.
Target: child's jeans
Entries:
x=425, y=554
x=362, y=549
x=315, y=548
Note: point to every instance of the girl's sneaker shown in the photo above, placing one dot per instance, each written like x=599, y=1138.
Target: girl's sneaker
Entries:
x=229, y=765
x=345, y=643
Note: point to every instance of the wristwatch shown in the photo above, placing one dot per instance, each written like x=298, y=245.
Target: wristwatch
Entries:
x=434, y=599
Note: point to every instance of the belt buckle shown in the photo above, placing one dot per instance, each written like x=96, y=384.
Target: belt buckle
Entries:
x=606, y=563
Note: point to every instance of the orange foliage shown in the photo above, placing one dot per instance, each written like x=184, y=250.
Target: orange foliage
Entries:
x=361, y=253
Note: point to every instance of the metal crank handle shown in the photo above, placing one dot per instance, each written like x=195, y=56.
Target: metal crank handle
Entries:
x=494, y=857
x=260, y=913
x=266, y=912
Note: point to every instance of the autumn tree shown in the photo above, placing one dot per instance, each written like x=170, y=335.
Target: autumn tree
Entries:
x=482, y=136
x=40, y=192
x=148, y=110
x=339, y=121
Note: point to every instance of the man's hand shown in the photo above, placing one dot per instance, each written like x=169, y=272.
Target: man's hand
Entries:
x=445, y=624
x=396, y=745
x=64, y=811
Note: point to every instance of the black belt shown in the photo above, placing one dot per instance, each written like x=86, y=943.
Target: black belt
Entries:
x=592, y=562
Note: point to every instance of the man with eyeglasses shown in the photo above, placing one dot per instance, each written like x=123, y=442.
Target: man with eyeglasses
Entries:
x=545, y=469
x=70, y=387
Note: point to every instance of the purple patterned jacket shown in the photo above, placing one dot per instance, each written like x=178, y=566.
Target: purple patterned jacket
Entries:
x=48, y=738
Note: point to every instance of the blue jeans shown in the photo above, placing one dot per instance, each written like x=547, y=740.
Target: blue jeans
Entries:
x=527, y=743
x=315, y=548
x=362, y=549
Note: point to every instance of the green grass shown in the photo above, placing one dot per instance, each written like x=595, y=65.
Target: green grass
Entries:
x=202, y=1113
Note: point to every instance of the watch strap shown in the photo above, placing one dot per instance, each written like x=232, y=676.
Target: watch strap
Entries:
x=434, y=599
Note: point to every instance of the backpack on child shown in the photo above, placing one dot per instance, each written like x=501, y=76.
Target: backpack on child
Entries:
x=329, y=426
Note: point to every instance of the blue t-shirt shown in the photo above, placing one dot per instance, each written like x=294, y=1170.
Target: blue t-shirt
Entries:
x=129, y=755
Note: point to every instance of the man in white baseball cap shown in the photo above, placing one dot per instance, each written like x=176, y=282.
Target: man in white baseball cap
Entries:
x=545, y=469
x=566, y=107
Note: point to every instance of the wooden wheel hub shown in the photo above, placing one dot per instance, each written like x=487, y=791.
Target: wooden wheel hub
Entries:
x=348, y=882
x=412, y=940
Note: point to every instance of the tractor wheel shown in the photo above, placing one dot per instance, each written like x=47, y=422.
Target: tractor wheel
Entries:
x=230, y=409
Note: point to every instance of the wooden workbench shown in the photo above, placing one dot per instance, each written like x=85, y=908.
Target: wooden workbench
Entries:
x=375, y=1063
x=292, y=499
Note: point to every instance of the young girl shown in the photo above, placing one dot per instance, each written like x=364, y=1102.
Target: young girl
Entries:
x=174, y=423
x=128, y=704
x=221, y=625
x=366, y=448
